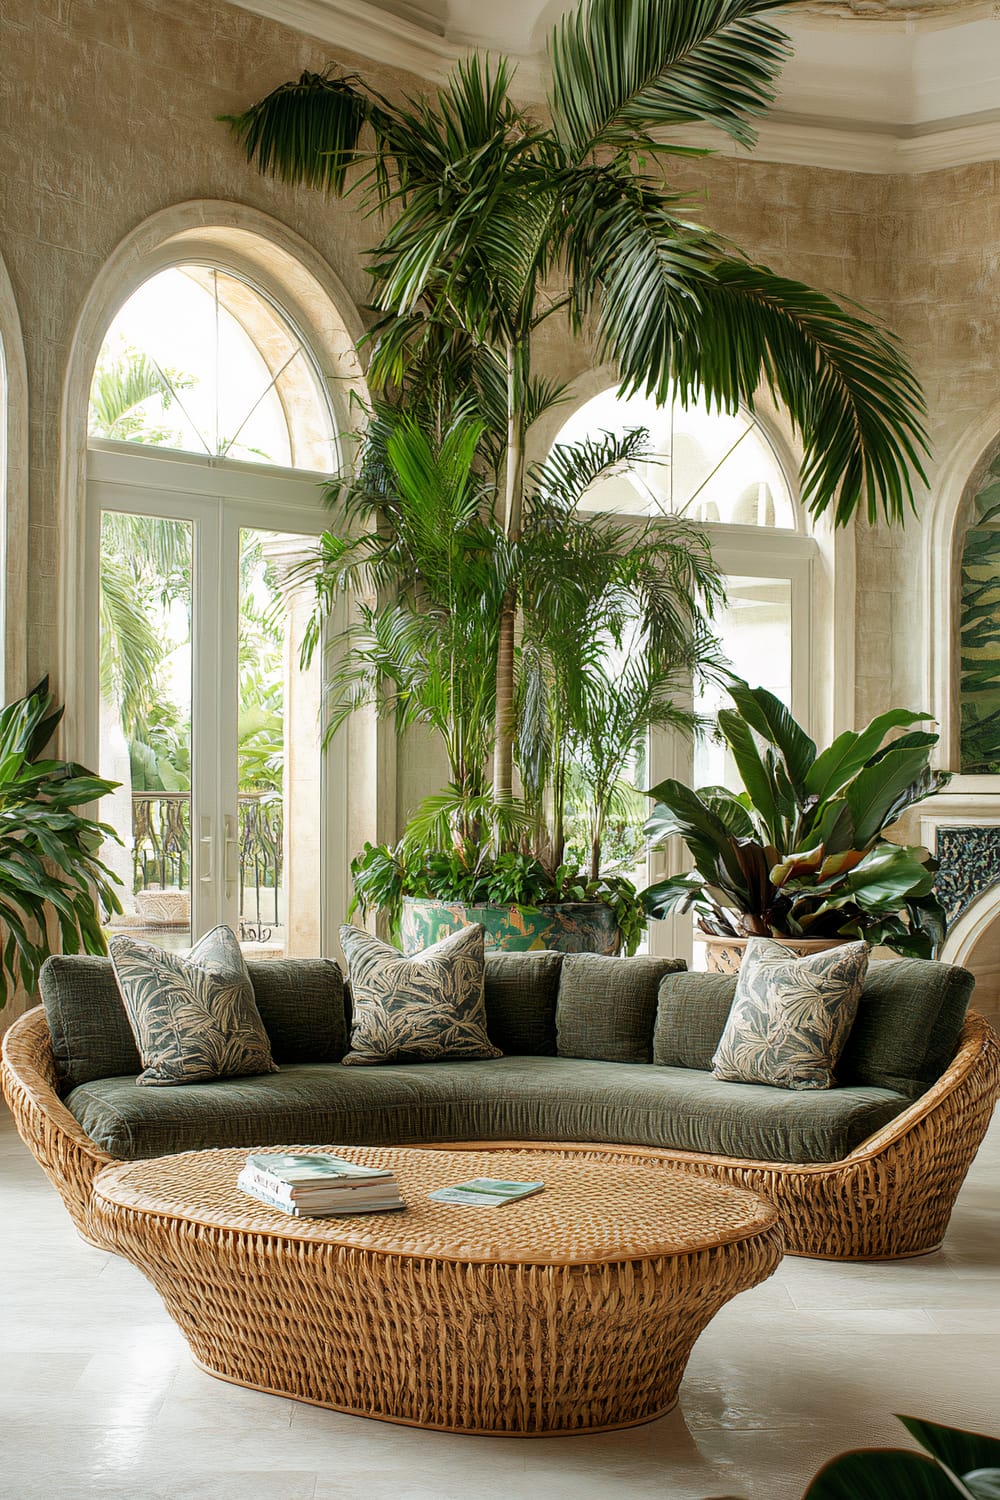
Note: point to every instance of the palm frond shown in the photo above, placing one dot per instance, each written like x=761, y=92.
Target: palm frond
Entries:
x=309, y=131
x=621, y=68
x=845, y=382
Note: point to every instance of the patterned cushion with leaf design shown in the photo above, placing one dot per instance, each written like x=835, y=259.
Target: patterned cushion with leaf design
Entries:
x=193, y=1015
x=420, y=1009
x=791, y=1016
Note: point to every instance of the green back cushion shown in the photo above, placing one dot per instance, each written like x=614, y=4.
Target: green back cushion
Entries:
x=303, y=1007
x=521, y=994
x=607, y=1006
x=690, y=1018
x=903, y=1038
x=301, y=1002
x=908, y=1025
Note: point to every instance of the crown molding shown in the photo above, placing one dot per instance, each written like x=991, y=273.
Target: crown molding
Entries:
x=841, y=136
x=800, y=141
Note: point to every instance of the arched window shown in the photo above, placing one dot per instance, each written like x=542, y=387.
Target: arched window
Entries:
x=723, y=472
x=210, y=428
x=707, y=465
x=200, y=360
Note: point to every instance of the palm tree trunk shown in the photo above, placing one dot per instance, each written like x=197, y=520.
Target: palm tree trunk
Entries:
x=503, y=747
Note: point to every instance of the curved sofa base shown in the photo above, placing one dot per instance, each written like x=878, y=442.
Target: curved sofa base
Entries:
x=890, y=1199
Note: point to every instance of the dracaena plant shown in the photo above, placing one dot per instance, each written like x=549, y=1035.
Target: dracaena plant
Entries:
x=51, y=880
x=801, y=850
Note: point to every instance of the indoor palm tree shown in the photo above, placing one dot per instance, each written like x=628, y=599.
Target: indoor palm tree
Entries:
x=499, y=222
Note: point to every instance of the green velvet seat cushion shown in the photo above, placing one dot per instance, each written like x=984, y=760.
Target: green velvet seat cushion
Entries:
x=908, y=1024
x=520, y=1098
x=521, y=991
x=607, y=1006
x=301, y=1002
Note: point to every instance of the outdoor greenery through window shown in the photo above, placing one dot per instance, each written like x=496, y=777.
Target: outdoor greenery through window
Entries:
x=206, y=721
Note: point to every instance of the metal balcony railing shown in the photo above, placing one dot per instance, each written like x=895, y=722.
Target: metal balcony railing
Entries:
x=161, y=852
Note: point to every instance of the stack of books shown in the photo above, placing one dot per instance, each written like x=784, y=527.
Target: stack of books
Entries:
x=318, y=1186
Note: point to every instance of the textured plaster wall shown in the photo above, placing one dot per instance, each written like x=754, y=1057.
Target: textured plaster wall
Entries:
x=108, y=116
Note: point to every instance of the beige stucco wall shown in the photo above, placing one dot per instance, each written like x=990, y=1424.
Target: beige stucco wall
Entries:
x=109, y=118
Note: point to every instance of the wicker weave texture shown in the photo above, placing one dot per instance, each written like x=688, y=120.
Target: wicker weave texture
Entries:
x=891, y=1197
x=30, y=1086
x=562, y=1313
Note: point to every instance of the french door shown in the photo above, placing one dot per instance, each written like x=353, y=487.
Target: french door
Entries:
x=207, y=720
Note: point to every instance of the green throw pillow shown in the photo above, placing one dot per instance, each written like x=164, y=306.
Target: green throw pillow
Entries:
x=607, y=1006
x=193, y=1015
x=791, y=1016
x=421, y=1009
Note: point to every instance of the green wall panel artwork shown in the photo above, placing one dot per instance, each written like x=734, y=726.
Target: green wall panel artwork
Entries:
x=980, y=633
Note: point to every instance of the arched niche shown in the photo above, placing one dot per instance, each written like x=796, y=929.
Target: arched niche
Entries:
x=962, y=476
x=973, y=941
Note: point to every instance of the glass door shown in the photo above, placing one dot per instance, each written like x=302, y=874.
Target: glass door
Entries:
x=208, y=722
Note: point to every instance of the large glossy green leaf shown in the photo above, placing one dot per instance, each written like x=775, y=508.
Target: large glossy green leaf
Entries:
x=882, y=1474
x=704, y=832
x=850, y=750
x=754, y=773
x=727, y=805
x=772, y=721
x=879, y=792
x=971, y=1455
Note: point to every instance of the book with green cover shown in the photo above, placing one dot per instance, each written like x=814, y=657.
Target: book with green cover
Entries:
x=487, y=1192
x=297, y=1167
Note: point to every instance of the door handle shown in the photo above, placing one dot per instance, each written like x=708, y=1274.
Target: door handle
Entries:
x=231, y=842
x=206, y=857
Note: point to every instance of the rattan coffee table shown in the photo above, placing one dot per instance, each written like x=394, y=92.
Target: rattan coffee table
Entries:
x=570, y=1311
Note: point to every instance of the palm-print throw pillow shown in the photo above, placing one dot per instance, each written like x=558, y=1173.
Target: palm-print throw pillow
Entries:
x=791, y=1016
x=420, y=1009
x=193, y=1015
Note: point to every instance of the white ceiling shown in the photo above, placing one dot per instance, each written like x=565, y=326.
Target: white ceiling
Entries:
x=874, y=85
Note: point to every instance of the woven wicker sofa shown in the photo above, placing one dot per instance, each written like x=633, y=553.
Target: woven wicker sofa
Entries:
x=878, y=1168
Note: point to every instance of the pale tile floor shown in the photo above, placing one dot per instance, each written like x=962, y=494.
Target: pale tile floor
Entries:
x=99, y=1398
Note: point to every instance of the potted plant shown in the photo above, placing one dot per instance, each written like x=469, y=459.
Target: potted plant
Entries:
x=800, y=853
x=429, y=553
x=51, y=880
x=501, y=223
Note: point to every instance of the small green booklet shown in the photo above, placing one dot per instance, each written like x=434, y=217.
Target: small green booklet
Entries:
x=488, y=1192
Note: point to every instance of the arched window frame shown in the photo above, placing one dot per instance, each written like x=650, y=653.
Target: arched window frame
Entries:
x=820, y=564
x=315, y=302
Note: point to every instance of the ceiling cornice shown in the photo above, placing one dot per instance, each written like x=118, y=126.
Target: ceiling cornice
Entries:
x=912, y=103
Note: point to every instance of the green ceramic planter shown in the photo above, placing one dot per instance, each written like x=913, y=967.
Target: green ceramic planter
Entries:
x=573, y=927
